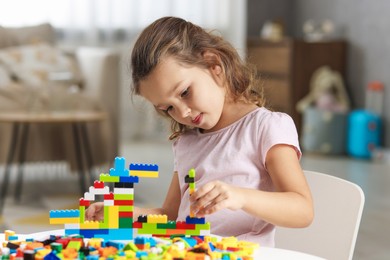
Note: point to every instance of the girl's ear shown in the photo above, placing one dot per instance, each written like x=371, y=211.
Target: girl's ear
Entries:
x=214, y=59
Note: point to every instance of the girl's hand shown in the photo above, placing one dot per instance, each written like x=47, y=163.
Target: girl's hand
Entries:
x=214, y=196
x=95, y=212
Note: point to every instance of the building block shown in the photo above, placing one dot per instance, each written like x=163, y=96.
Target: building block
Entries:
x=119, y=167
x=144, y=170
x=157, y=218
x=98, y=184
x=118, y=222
x=64, y=213
x=83, y=202
x=190, y=220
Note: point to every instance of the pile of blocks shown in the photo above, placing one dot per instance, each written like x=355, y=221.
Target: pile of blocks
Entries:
x=55, y=247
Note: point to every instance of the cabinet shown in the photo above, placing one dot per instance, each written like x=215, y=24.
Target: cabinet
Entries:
x=285, y=68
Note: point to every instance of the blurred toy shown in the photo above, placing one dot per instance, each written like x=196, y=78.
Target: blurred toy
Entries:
x=327, y=91
x=374, y=97
x=314, y=31
x=272, y=30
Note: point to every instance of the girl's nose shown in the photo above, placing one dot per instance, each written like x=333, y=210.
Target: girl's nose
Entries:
x=184, y=111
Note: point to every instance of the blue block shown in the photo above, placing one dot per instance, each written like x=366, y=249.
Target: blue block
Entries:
x=68, y=213
x=116, y=234
x=140, y=254
x=86, y=233
x=93, y=257
x=191, y=241
x=212, y=247
x=118, y=245
x=51, y=256
x=143, y=167
x=190, y=220
x=129, y=179
x=142, y=240
x=119, y=167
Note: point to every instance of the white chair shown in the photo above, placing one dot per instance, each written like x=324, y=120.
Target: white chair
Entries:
x=338, y=208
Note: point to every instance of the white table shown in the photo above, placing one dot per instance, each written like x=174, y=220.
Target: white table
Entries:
x=263, y=253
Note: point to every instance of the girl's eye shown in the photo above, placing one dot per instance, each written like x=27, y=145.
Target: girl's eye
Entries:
x=185, y=93
x=168, y=109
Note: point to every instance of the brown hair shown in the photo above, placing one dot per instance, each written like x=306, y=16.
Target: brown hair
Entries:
x=187, y=42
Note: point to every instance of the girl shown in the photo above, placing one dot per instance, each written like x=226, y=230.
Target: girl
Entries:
x=246, y=157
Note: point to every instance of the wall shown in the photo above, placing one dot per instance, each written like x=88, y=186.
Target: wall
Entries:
x=364, y=23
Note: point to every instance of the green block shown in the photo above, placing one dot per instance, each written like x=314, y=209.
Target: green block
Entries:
x=193, y=232
x=104, y=223
x=125, y=222
x=146, y=231
x=82, y=214
x=205, y=226
x=74, y=244
x=151, y=228
x=191, y=173
x=169, y=225
x=192, y=185
x=130, y=246
x=126, y=208
x=108, y=178
x=123, y=196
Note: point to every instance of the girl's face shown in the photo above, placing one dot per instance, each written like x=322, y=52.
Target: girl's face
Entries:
x=192, y=96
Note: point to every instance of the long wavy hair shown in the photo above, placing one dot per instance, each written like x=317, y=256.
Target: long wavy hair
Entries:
x=187, y=42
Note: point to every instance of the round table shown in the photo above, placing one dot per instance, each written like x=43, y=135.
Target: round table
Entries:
x=21, y=122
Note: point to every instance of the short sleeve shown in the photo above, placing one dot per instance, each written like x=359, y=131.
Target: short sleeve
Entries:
x=277, y=128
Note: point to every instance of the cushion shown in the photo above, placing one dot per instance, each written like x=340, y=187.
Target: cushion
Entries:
x=39, y=65
x=6, y=39
x=31, y=34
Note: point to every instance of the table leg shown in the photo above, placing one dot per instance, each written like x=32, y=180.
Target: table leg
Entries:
x=11, y=152
x=22, y=157
x=79, y=159
x=87, y=149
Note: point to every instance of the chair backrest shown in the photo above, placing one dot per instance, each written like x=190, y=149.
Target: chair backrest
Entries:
x=338, y=207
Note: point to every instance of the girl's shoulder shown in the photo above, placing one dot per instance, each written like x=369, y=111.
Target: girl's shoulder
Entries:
x=264, y=116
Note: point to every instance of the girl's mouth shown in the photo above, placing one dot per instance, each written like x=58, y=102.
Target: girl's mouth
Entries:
x=197, y=119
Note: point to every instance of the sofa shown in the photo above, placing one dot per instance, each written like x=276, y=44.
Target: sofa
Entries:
x=36, y=75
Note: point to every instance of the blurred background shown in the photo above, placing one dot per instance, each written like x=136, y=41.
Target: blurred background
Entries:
x=322, y=62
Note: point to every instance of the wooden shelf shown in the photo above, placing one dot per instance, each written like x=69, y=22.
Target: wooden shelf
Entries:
x=285, y=68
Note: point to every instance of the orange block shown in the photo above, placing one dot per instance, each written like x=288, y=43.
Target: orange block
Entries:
x=176, y=231
x=33, y=245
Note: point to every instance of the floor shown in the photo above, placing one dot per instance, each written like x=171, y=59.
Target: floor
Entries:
x=43, y=193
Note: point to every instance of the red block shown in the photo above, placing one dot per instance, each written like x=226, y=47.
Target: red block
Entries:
x=183, y=225
x=108, y=196
x=125, y=214
x=137, y=224
x=83, y=202
x=123, y=202
x=98, y=184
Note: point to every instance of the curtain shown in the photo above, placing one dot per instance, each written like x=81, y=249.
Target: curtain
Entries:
x=115, y=24
x=104, y=22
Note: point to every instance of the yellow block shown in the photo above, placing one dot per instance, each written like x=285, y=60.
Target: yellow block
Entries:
x=147, y=174
x=95, y=242
x=8, y=233
x=113, y=217
x=89, y=225
x=65, y=220
x=151, y=218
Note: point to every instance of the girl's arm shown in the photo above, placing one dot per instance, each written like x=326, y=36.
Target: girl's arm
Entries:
x=170, y=206
x=290, y=205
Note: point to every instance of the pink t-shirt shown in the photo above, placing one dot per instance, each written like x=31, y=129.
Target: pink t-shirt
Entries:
x=235, y=155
